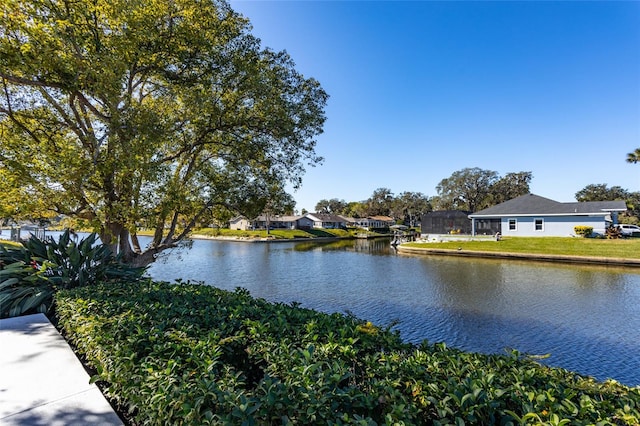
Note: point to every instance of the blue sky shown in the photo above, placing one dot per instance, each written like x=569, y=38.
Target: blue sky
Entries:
x=421, y=89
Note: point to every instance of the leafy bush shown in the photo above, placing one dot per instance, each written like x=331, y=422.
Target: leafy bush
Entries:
x=196, y=355
x=583, y=230
x=32, y=273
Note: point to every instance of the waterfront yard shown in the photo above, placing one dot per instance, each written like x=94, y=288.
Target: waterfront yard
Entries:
x=567, y=246
x=276, y=234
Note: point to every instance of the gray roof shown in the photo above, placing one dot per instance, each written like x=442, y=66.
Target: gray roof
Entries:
x=532, y=204
x=326, y=217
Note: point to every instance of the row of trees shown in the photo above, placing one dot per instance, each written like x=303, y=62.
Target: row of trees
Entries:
x=406, y=207
x=469, y=189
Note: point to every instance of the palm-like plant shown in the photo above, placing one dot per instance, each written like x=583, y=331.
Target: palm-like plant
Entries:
x=30, y=275
x=634, y=157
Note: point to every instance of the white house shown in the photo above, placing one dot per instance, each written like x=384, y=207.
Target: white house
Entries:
x=240, y=223
x=371, y=222
x=326, y=221
x=274, y=222
x=531, y=215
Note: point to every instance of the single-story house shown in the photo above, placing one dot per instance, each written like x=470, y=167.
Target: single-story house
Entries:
x=305, y=222
x=350, y=221
x=240, y=223
x=372, y=222
x=446, y=222
x=532, y=215
x=326, y=221
x=275, y=222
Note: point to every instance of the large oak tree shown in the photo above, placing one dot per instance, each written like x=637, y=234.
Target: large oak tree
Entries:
x=474, y=189
x=156, y=112
x=601, y=192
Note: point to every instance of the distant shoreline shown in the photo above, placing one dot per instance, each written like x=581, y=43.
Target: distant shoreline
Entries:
x=263, y=239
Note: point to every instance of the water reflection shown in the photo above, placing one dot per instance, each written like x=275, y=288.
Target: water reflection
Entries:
x=376, y=246
x=586, y=317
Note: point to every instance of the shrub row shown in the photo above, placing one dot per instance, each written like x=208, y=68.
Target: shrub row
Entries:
x=192, y=354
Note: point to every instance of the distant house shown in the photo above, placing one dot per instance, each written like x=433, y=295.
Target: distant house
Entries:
x=373, y=222
x=350, y=221
x=305, y=222
x=261, y=222
x=240, y=223
x=446, y=222
x=284, y=222
x=381, y=221
x=532, y=215
x=326, y=221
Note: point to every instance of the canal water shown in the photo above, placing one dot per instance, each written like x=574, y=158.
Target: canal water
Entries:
x=586, y=318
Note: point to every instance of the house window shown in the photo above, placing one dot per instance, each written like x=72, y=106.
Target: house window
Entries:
x=513, y=225
x=539, y=224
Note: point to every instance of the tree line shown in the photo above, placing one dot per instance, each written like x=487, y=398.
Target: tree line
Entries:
x=470, y=190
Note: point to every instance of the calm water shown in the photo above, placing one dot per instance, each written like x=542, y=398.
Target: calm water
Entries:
x=587, y=318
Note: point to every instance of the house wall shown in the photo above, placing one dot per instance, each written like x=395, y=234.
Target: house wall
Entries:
x=328, y=225
x=552, y=226
x=240, y=225
x=305, y=223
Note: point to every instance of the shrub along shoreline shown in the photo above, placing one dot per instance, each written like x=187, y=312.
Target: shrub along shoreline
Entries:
x=192, y=354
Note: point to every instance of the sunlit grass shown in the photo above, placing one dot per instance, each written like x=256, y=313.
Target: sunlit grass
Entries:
x=274, y=233
x=593, y=247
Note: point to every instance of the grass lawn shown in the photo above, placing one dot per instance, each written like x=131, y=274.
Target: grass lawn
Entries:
x=275, y=233
x=592, y=247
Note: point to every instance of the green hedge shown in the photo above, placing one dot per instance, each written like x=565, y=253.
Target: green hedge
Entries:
x=192, y=354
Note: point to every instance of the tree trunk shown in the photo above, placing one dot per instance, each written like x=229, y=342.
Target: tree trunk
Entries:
x=116, y=237
x=109, y=235
x=143, y=259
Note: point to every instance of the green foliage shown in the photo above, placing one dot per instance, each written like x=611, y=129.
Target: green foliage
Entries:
x=31, y=274
x=634, y=157
x=196, y=355
x=473, y=189
x=122, y=113
x=332, y=206
x=601, y=192
x=583, y=230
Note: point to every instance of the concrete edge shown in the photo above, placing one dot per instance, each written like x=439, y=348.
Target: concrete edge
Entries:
x=585, y=260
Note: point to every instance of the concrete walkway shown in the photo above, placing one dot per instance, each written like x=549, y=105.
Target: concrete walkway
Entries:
x=41, y=380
